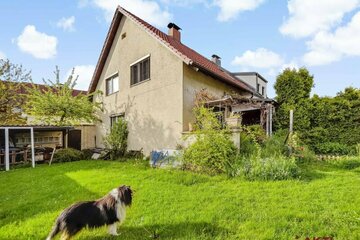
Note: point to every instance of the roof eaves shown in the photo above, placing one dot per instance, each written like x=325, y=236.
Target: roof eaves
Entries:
x=105, y=51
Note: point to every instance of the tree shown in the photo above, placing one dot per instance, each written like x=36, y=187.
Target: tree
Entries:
x=293, y=88
x=56, y=103
x=12, y=77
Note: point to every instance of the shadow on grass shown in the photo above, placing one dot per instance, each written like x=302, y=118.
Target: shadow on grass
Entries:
x=185, y=230
x=44, y=189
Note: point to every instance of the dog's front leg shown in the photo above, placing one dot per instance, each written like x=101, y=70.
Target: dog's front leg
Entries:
x=113, y=229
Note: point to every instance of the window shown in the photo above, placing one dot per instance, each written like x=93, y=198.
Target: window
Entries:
x=263, y=91
x=258, y=88
x=112, y=84
x=114, y=119
x=140, y=71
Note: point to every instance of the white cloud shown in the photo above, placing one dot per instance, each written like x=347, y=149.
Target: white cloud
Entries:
x=229, y=9
x=185, y=3
x=260, y=58
x=292, y=64
x=67, y=24
x=148, y=10
x=39, y=45
x=85, y=73
x=327, y=47
x=308, y=17
x=2, y=55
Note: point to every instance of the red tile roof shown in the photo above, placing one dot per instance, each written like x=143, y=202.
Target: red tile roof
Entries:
x=25, y=85
x=188, y=55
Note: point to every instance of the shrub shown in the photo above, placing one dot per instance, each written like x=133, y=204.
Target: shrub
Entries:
x=67, y=155
x=332, y=148
x=116, y=140
x=258, y=132
x=213, y=149
x=211, y=153
x=87, y=154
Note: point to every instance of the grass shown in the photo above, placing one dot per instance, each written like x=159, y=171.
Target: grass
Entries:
x=171, y=204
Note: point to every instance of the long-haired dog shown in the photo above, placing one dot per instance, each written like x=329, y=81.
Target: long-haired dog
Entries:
x=109, y=210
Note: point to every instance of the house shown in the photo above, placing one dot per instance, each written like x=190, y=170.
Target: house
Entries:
x=150, y=78
x=255, y=80
x=43, y=137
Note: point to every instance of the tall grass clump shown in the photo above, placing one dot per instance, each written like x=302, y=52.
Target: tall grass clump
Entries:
x=264, y=158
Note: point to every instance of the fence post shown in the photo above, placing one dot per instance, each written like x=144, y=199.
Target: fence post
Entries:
x=291, y=121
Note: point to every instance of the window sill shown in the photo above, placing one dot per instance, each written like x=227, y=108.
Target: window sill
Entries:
x=136, y=84
x=107, y=95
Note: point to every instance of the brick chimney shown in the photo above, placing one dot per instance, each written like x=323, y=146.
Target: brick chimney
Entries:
x=174, y=31
x=216, y=59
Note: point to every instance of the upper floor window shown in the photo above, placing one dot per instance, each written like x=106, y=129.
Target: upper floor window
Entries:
x=263, y=91
x=258, y=88
x=140, y=71
x=112, y=84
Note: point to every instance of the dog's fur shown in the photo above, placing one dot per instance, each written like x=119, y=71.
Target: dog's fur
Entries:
x=108, y=210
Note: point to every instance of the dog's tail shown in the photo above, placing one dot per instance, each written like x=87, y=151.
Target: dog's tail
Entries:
x=55, y=230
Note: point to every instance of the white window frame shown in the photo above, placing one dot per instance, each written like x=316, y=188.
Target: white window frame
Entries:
x=137, y=62
x=111, y=78
x=116, y=118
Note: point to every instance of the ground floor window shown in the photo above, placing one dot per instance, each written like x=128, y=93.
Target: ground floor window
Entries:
x=115, y=118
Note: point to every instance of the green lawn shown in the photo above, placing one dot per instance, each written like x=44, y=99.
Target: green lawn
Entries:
x=183, y=205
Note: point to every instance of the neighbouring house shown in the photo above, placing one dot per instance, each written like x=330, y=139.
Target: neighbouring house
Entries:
x=44, y=137
x=150, y=78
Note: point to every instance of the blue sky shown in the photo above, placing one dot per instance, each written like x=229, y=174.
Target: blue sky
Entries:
x=250, y=35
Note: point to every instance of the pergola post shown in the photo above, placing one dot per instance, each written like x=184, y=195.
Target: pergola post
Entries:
x=32, y=147
x=271, y=121
x=7, y=155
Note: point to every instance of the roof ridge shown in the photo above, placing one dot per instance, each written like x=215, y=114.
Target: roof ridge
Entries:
x=187, y=54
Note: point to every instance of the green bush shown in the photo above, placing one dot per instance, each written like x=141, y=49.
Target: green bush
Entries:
x=116, y=140
x=333, y=148
x=87, y=154
x=212, y=153
x=67, y=155
x=258, y=132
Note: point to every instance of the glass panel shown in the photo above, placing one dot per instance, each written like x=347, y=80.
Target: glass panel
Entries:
x=134, y=75
x=108, y=86
x=145, y=70
x=115, y=83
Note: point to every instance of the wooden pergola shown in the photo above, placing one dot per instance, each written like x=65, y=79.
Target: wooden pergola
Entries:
x=239, y=104
x=7, y=152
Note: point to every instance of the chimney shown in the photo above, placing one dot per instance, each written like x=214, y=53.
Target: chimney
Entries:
x=216, y=59
x=174, y=31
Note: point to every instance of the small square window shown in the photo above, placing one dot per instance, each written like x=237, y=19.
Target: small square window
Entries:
x=114, y=119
